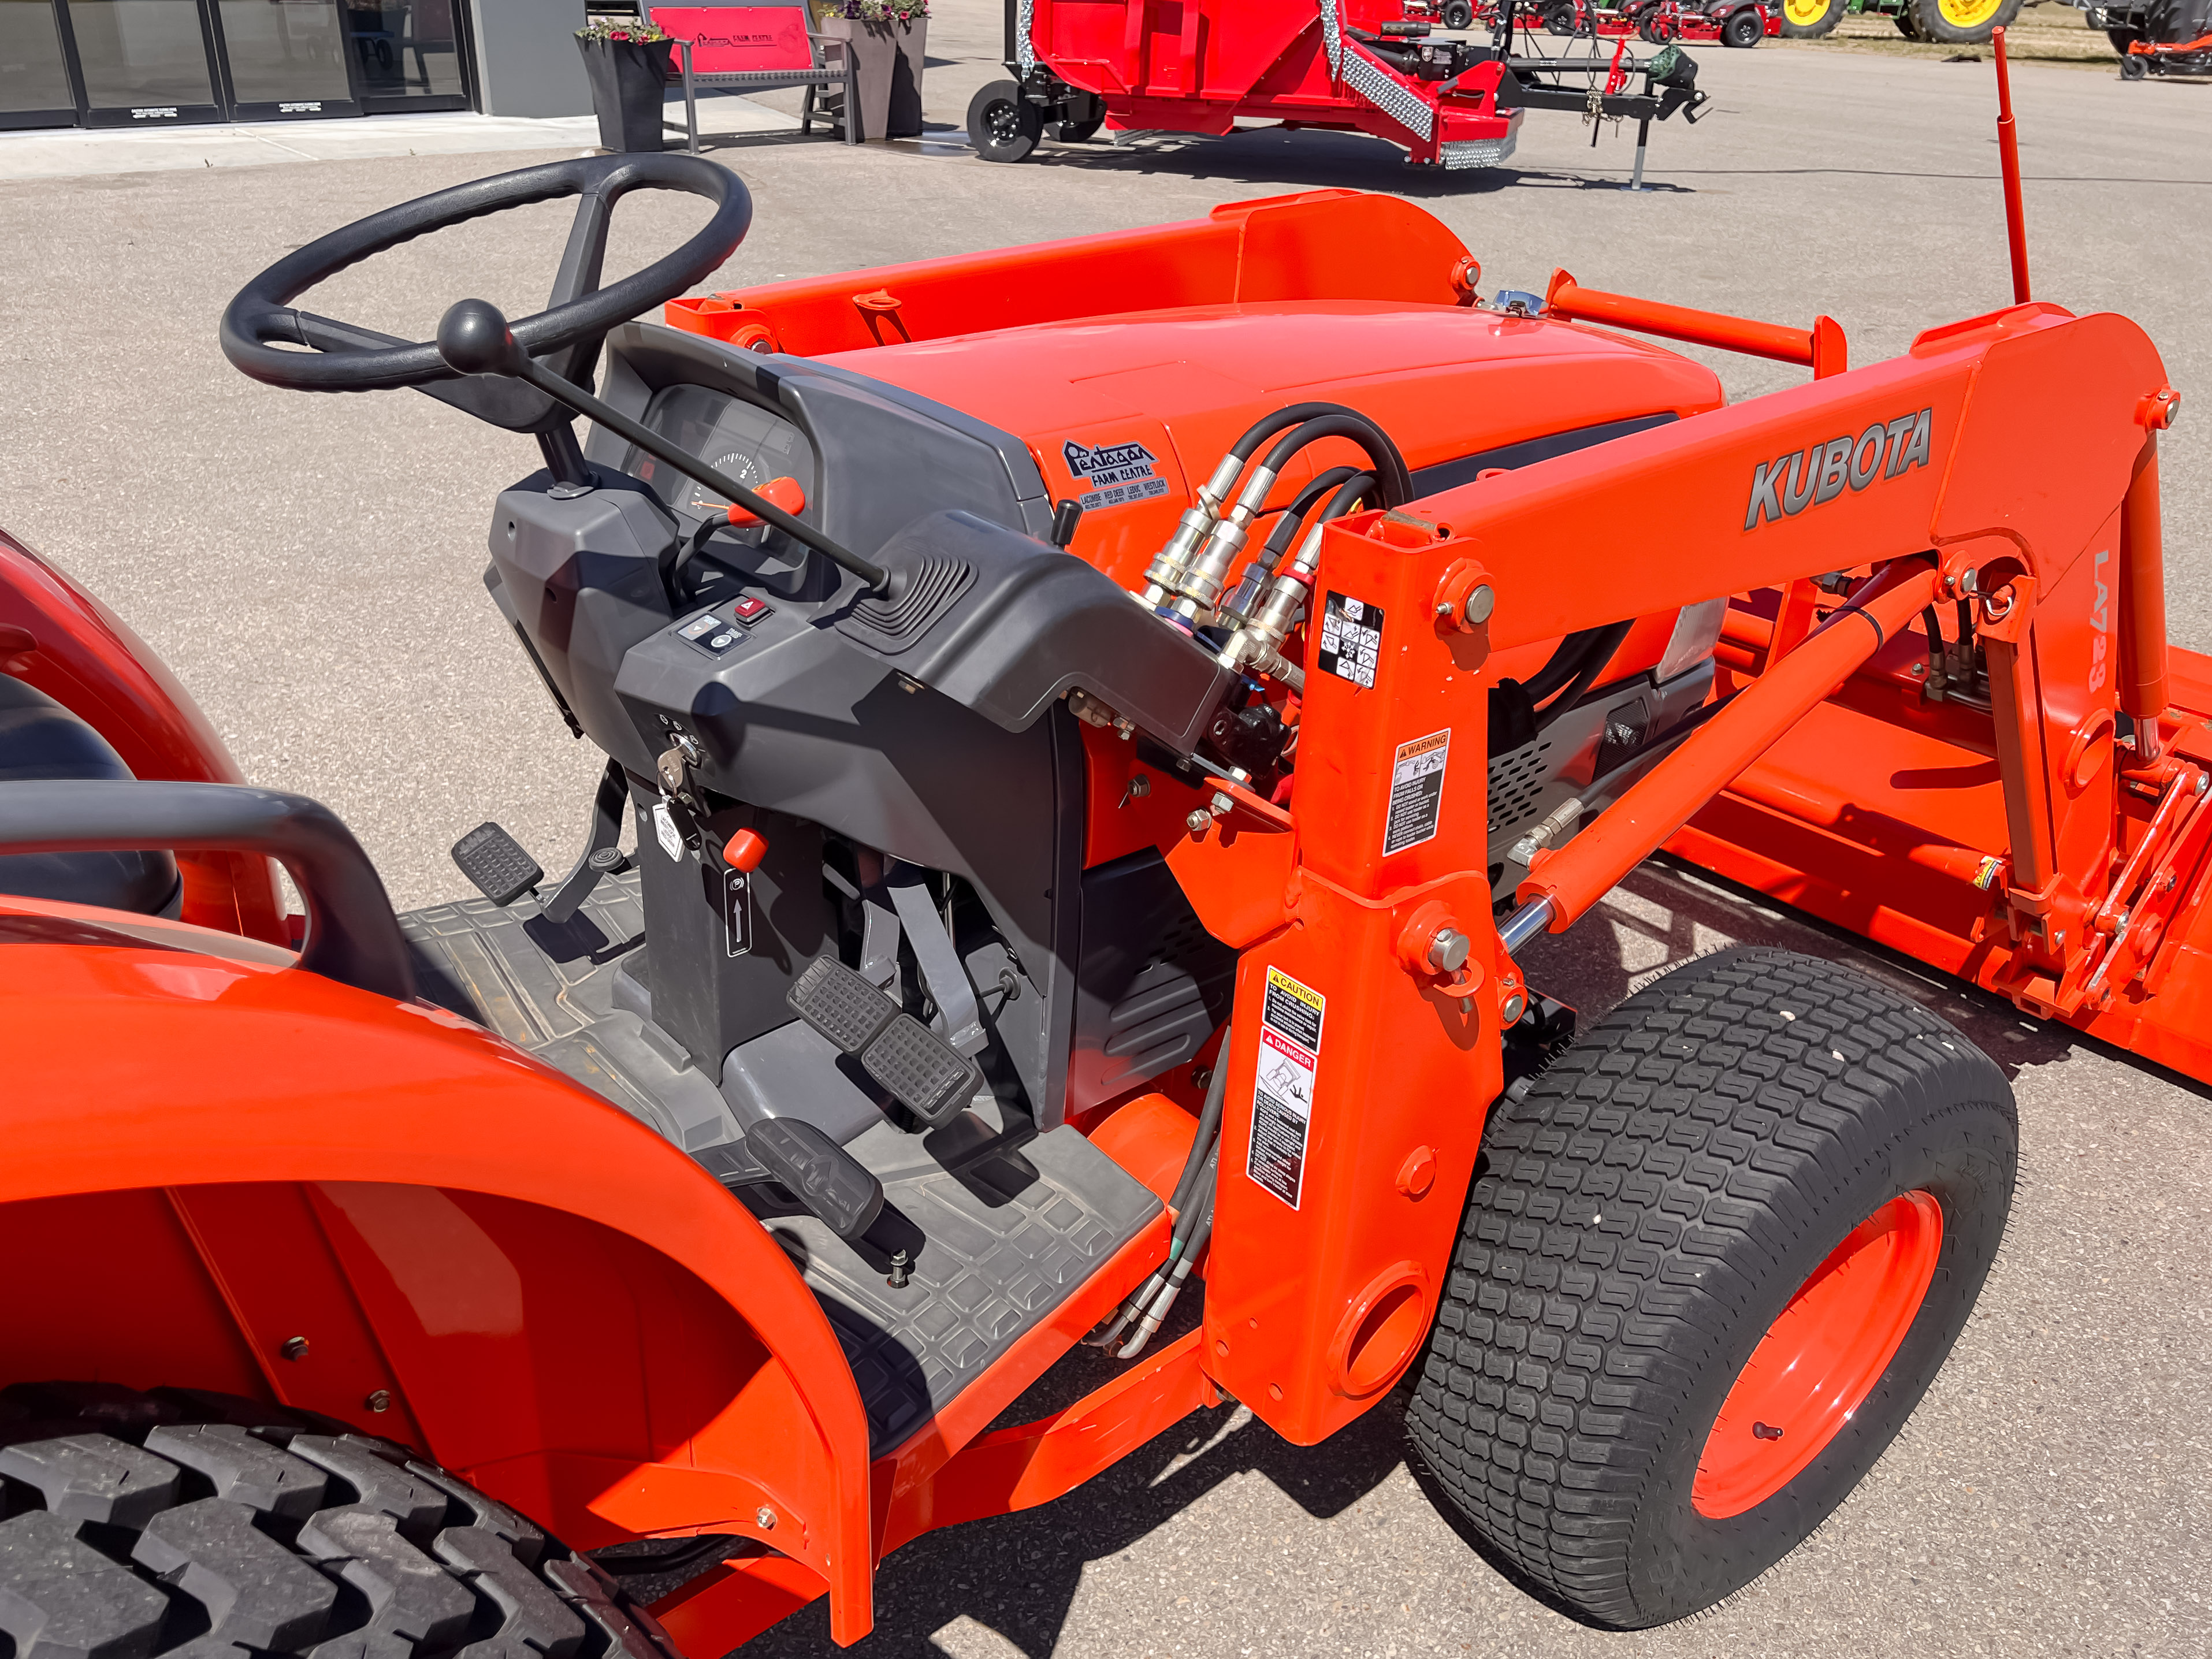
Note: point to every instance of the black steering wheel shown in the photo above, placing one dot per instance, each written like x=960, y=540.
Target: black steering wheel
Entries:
x=349, y=358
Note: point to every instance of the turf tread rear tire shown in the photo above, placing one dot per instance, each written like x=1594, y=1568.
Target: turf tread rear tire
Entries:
x=1642, y=1211
x=134, y=1527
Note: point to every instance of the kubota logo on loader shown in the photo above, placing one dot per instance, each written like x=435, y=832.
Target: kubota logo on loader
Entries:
x=1787, y=485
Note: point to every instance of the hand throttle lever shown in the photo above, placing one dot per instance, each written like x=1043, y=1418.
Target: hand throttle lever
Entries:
x=474, y=339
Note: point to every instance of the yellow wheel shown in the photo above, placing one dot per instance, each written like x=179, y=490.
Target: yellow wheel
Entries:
x=1961, y=22
x=1808, y=20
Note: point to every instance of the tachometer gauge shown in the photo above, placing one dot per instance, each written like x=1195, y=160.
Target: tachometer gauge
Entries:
x=740, y=465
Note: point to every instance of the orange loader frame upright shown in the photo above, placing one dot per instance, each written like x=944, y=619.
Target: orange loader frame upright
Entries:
x=559, y=1305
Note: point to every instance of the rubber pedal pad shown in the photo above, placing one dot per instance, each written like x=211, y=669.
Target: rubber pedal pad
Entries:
x=496, y=863
x=925, y=1073
x=823, y=1176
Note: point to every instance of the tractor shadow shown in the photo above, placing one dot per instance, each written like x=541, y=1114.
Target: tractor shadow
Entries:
x=1017, y=1574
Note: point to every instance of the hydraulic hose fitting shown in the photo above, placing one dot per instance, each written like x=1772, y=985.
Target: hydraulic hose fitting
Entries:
x=1208, y=573
x=1164, y=577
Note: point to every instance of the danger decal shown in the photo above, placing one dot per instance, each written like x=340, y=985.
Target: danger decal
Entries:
x=1116, y=474
x=1283, y=1084
x=1417, y=791
x=1787, y=485
x=1351, y=639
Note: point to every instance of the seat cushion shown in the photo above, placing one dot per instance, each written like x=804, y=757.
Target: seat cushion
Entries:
x=40, y=740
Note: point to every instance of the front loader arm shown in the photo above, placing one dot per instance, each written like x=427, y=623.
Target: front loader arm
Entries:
x=1329, y=1244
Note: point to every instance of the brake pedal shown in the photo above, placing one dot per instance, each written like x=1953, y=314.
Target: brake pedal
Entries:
x=925, y=1073
x=833, y=1184
x=495, y=862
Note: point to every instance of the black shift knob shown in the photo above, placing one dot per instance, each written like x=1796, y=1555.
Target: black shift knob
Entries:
x=473, y=337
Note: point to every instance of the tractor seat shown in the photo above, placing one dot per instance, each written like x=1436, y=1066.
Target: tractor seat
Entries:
x=40, y=740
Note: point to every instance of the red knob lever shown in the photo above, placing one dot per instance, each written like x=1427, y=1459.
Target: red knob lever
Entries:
x=745, y=851
x=785, y=493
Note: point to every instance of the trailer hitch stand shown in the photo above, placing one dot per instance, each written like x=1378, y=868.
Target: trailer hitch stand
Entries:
x=1643, y=137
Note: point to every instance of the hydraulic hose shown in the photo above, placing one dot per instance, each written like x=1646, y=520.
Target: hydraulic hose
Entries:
x=1593, y=663
x=1389, y=468
x=1292, y=517
x=1202, y=1145
x=1564, y=663
x=1209, y=1127
x=1184, y=1253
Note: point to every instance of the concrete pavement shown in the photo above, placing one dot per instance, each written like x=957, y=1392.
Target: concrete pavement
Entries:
x=310, y=568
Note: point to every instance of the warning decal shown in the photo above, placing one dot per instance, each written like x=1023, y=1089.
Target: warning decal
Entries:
x=1116, y=474
x=1351, y=639
x=1282, y=1088
x=1417, y=791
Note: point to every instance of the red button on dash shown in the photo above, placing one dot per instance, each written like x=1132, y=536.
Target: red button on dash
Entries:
x=749, y=610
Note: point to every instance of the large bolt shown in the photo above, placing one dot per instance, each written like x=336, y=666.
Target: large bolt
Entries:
x=296, y=1347
x=1197, y=821
x=764, y=1518
x=1448, y=950
x=1481, y=602
x=379, y=1400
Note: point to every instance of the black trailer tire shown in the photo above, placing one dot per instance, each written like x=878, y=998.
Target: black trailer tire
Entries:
x=2134, y=67
x=140, y=1524
x=1458, y=15
x=1682, y=1184
x=1809, y=20
x=1002, y=124
x=1560, y=18
x=1907, y=24
x=1959, y=23
x=1745, y=29
x=1077, y=132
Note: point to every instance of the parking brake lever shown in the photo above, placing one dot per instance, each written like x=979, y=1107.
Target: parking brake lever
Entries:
x=473, y=339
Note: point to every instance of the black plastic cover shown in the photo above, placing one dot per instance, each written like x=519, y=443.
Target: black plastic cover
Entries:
x=1034, y=623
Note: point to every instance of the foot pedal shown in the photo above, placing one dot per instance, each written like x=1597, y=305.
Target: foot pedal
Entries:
x=928, y=1075
x=495, y=862
x=821, y=1175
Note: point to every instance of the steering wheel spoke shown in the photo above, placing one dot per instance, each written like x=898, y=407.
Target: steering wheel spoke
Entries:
x=261, y=319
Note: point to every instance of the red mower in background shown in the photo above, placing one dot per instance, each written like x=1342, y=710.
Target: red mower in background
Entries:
x=1351, y=66
x=1095, y=727
x=1737, y=23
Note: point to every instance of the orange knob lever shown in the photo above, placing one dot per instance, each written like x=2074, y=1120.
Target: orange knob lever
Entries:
x=745, y=851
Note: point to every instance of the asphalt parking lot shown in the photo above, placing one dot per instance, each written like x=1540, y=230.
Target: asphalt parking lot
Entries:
x=309, y=567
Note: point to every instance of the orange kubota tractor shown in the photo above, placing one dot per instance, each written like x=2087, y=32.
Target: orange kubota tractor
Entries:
x=1097, y=723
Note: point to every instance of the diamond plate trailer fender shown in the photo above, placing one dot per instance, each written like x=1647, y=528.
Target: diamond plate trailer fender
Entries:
x=211, y=1154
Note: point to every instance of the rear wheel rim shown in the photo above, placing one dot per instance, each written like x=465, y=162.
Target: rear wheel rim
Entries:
x=1002, y=121
x=1967, y=13
x=1804, y=13
x=1820, y=1359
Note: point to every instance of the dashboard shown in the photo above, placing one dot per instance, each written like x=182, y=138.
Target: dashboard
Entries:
x=734, y=436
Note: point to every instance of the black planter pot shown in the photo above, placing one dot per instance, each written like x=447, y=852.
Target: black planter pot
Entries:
x=629, y=79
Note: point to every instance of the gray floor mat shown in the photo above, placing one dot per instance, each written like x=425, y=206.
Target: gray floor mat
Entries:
x=999, y=1225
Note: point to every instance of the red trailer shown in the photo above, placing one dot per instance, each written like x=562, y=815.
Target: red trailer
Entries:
x=1355, y=65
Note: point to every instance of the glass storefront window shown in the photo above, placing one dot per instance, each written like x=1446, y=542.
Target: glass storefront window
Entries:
x=405, y=49
x=33, y=76
x=285, y=52
x=141, y=54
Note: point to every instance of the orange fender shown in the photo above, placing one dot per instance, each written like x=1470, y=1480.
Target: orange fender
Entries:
x=234, y=1175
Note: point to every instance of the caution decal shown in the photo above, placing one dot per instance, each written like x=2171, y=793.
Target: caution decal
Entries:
x=1283, y=1084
